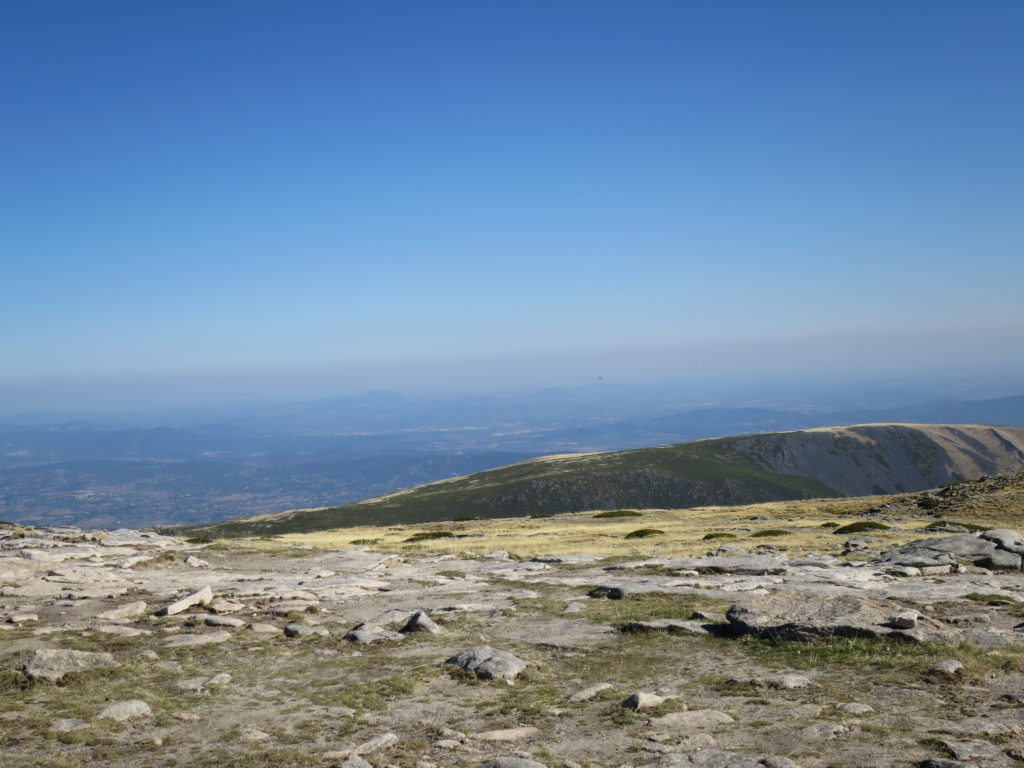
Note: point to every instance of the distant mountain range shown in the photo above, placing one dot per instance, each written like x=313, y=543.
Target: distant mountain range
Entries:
x=825, y=462
x=204, y=467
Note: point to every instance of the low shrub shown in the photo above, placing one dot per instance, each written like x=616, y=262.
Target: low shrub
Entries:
x=862, y=525
x=722, y=535
x=429, y=535
x=620, y=513
x=643, y=533
x=771, y=532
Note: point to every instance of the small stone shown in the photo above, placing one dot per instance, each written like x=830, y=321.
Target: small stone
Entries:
x=905, y=619
x=223, y=605
x=943, y=762
x=973, y=749
x=196, y=562
x=22, y=618
x=262, y=629
x=125, y=710
x=853, y=708
x=52, y=664
x=375, y=744
x=698, y=718
x=420, y=622
x=254, y=735
x=514, y=762
x=67, y=724
x=488, y=663
x=202, y=596
x=822, y=731
x=508, y=734
x=190, y=640
x=303, y=630
x=946, y=668
x=787, y=682
x=641, y=700
x=223, y=621
x=574, y=607
x=588, y=693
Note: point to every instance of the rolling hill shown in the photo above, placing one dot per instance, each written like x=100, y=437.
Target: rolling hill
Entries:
x=825, y=462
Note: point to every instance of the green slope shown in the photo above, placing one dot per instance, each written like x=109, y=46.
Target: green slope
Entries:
x=684, y=475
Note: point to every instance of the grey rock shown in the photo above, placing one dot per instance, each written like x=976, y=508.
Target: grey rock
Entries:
x=375, y=744
x=262, y=629
x=196, y=562
x=853, y=708
x=822, y=731
x=420, y=622
x=778, y=762
x=67, y=724
x=202, y=596
x=488, y=663
x=125, y=710
x=942, y=762
x=304, y=630
x=697, y=718
x=575, y=559
x=904, y=619
x=223, y=605
x=970, y=750
x=53, y=664
x=508, y=734
x=126, y=611
x=1006, y=539
x=709, y=758
x=573, y=607
x=1000, y=561
x=366, y=635
x=642, y=700
x=223, y=621
x=588, y=693
x=192, y=640
x=787, y=682
x=675, y=626
x=514, y=762
x=798, y=616
x=946, y=668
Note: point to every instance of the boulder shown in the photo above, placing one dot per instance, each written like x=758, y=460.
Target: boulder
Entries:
x=192, y=640
x=52, y=664
x=304, y=630
x=488, y=663
x=799, y=616
x=202, y=596
x=420, y=622
x=125, y=710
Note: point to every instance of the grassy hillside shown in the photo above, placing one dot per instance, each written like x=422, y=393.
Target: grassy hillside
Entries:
x=726, y=471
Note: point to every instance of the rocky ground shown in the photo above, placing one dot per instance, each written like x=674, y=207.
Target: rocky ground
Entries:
x=128, y=648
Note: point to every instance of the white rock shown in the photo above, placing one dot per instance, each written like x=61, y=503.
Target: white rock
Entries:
x=125, y=710
x=202, y=596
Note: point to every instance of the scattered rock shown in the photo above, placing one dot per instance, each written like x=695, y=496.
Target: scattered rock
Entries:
x=946, y=668
x=822, y=731
x=67, y=724
x=799, y=616
x=191, y=640
x=970, y=750
x=488, y=663
x=126, y=611
x=697, y=718
x=420, y=622
x=53, y=664
x=588, y=693
x=641, y=700
x=514, y=762
x=202, y=596
x=196, y=562
x=365, y=635
x=508, y=734
x=125, y=710
x=787, y=682
x=254, y=735
x=262, y=629
x=852, y=708
x=573, y=607
x=375, y=744
x=223, y=621
x=905, y=619
x=304, y=630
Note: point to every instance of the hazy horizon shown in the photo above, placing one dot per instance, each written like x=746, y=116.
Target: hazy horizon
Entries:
x=214, y=204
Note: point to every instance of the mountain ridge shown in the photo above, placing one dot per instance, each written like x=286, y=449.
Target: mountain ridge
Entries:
x=800, y=464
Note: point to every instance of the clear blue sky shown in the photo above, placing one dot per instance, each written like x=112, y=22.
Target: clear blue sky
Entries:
x=229, y=187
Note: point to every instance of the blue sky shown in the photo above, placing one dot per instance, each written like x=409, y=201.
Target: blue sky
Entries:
x=556, y=188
